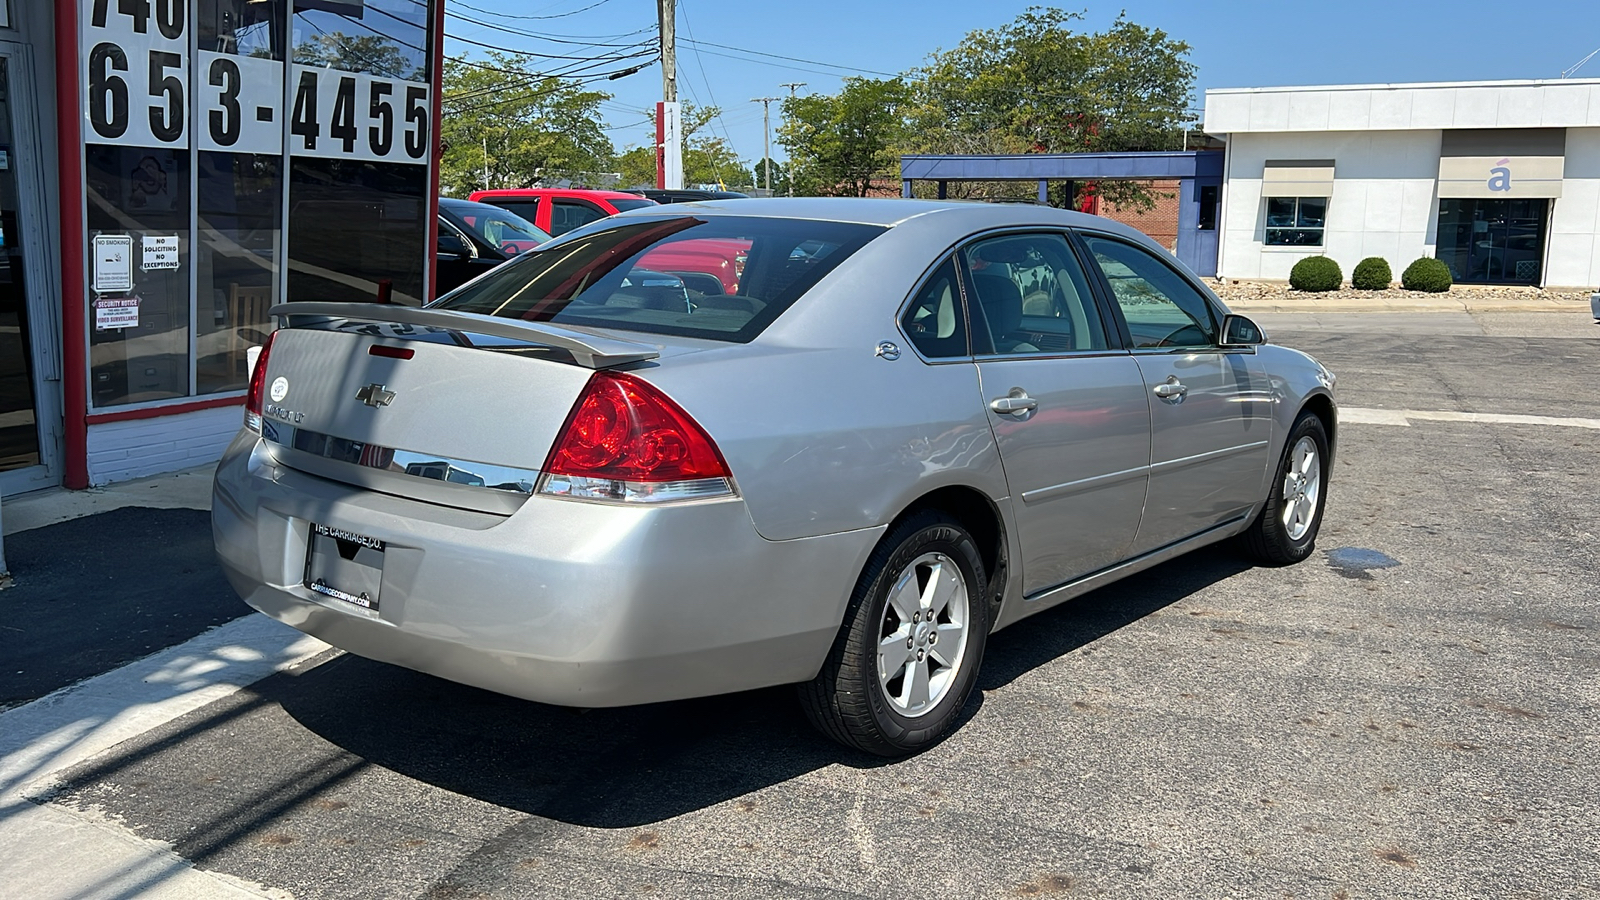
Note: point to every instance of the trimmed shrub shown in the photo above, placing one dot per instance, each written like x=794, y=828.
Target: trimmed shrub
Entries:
x=1426, y=274
x=1315, y=274
x=1371, y=274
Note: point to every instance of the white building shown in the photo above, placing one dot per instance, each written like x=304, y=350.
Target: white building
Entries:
x=1501, y=179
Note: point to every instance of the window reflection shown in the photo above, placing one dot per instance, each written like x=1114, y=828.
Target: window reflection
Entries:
x=380, y=37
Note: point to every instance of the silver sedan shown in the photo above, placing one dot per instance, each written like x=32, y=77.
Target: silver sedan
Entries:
x=698, y=449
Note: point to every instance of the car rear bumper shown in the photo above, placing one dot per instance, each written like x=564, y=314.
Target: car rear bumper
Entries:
x=564, y=602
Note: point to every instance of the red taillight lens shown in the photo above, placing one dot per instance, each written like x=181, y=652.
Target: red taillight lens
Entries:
x=623, y=429
x=254, y=400
x=626, y=441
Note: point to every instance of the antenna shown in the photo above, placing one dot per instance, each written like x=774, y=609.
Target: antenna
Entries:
x=1567, y=73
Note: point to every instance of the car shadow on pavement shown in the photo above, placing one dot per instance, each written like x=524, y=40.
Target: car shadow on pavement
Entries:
x=626, y=767
x=1037, y=640
x=361, y=723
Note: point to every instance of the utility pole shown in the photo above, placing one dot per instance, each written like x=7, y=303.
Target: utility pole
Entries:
x=766, y=127
x=791, y=85
x=669, y=140
x=486, y=184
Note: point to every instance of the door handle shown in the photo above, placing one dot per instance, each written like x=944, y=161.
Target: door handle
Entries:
x=1173, y=388
x=1017, y=401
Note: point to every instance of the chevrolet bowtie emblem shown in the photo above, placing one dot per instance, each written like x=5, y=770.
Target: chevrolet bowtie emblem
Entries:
x=375, y=395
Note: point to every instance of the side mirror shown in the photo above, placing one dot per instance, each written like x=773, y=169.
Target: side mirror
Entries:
x=1238, y=331
x=451, y=245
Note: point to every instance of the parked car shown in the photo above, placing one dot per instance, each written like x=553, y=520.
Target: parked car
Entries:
x=559, y=210
x=911, y=424
x=476, y=237
x=687, y=195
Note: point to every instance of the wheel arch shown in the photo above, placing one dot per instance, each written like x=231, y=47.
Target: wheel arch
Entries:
x=1321, y=406
x=980, y=516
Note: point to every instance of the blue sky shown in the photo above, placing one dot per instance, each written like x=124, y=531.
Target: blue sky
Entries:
x=1248, y=43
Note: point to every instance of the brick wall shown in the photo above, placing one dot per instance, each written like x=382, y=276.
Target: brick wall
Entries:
x=1160, y=223
x=134, y=448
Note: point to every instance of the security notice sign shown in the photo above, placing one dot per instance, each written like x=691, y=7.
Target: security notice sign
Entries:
x=119, y=312
x=136, y=71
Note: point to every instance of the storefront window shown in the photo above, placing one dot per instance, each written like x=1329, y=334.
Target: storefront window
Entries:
x=241, y=152
x=239, y=186
x=357, y=231
x=359, y=122
x=138, y=220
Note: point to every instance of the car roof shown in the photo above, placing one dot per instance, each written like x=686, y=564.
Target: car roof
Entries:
x=508, y=193
x=456, y=204
x=889, y=211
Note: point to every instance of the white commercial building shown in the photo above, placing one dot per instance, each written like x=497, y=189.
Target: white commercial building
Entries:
x=1501, y=180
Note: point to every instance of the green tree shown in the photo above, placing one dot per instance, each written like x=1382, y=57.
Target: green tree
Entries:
x=521, y=126
x=636, y=167
x=780, y=175
x=1038, y=86
x=840, y=143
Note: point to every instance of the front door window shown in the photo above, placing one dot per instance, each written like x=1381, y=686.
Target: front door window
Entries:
x=1493, y=241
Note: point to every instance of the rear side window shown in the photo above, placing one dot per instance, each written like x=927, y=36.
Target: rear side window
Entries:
x=528, y=209
x=566, y=215
x=625, y=205
x=935, y=321
x=721, y=277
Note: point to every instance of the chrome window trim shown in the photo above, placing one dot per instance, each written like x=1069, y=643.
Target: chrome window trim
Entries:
x=1059, y=354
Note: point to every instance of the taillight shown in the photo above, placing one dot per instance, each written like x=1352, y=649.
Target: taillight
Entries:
x=626, y=441
x=254, y=400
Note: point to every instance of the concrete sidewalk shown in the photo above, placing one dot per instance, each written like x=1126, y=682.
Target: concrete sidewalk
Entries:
x=1255, y=296
x=186, y=489
x=56, y=854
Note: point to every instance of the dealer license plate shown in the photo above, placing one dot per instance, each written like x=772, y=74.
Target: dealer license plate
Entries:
x=344, y=565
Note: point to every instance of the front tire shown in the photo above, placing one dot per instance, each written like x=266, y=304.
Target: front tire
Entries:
x=907, y=655
x=1286, y=530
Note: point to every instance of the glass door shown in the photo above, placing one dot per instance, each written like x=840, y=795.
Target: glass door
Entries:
x=22, y=453
x=1493, y=241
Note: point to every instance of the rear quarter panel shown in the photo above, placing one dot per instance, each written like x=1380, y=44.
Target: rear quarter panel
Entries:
x=822, y=434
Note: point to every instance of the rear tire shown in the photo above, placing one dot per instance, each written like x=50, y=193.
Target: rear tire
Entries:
x=907, y=655
x=1286, y=530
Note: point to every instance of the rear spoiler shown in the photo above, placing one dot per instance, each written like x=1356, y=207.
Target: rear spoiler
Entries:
x=590, y=351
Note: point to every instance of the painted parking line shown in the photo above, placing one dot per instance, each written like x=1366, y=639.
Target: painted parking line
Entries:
x=1352, y=415
x=53, y=853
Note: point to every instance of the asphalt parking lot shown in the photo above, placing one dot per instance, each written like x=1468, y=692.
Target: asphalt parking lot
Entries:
x=1410, y=713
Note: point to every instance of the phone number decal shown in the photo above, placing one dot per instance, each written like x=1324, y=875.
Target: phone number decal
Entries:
x=139, y=85
x=135, y=86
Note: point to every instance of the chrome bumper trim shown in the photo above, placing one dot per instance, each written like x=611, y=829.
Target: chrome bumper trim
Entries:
x=431, y=466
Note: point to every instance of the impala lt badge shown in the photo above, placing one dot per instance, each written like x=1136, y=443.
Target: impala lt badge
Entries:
x=375, y=395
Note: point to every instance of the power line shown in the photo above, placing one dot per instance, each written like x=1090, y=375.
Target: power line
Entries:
x=502, y=15
x=811, y=62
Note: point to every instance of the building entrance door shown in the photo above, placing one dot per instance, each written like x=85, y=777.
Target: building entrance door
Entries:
x=1493, y=241
x=29, y=416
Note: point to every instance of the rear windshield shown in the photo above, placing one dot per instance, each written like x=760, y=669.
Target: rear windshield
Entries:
x=636, y=203
x=721, y=277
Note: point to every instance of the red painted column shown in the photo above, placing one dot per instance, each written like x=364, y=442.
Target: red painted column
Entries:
x=436, y=67
x=74, y=325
